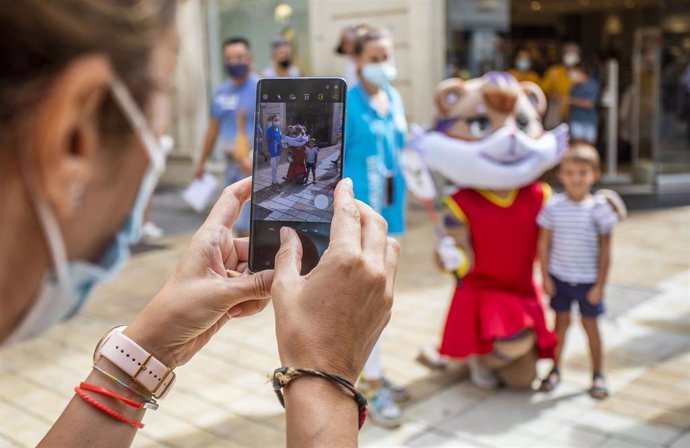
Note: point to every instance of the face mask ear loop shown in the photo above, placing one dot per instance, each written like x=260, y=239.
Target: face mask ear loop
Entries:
x=51, y=229
x=138, y=122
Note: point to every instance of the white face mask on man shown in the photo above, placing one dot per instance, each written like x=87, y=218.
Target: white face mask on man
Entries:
x=65, y=291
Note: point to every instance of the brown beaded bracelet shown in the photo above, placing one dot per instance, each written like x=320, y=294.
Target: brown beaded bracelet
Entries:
x=283, y=375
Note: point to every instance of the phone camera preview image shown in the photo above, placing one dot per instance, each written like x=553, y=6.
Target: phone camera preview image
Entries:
x=298, y=148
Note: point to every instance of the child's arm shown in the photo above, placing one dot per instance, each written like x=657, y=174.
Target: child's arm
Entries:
x=596, y=294
x=544, y=260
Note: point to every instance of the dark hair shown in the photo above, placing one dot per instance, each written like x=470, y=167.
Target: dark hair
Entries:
x=583, y=67
x=366, y=34
x=236, y=40
x=279, y=42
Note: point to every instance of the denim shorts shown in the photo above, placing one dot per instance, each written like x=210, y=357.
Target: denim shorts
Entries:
x=583, y=131
x=567, y=293
x=233, y=174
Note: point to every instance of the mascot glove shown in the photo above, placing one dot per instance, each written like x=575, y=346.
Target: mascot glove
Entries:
x=451, y=256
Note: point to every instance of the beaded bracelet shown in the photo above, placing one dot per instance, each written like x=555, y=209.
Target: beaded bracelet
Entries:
x=283, y=375
x=149, y=402
x=105, y=409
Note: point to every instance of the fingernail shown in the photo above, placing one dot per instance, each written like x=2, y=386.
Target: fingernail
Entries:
x=348, y=183
x=283, y=234
x=234, y=312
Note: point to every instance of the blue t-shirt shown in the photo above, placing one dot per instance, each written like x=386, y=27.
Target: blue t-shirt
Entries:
x=273, y=137
x=372, y=146
x=588, y=90
x=228, y=99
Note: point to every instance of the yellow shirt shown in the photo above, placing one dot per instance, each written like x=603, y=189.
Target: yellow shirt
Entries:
x=556, y=81
x=529, y=75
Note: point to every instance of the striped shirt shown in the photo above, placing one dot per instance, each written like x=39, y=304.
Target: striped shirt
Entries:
x=576, y=227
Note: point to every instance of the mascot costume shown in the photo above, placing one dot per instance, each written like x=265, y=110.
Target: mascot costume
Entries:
x=490, y=144
x=295, y=140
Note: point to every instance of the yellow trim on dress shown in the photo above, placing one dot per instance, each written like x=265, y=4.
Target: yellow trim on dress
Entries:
x=546, y=189
x=498, y=200
x=456, y=210
x=465, y=266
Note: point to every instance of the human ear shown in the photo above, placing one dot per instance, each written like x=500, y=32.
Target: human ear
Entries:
x=65, y=136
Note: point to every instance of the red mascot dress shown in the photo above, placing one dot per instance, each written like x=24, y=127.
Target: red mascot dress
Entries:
x=498, y=298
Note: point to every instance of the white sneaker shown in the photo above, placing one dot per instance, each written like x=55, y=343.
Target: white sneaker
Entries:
x=151, y=231
x=382, y=408
x=480, y=376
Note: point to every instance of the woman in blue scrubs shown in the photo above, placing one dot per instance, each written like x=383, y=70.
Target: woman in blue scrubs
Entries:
x=376, y=129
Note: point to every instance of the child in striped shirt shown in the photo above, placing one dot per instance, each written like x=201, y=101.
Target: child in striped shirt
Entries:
x=574, y=249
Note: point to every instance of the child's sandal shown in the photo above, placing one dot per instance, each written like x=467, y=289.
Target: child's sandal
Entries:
x=598, y=390
x=552, y=380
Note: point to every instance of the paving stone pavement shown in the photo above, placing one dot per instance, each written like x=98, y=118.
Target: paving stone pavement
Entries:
x=222, y=397
x=290, y=201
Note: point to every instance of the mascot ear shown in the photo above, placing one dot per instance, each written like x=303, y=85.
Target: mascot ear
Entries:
x=535, y=95
x=448, y=94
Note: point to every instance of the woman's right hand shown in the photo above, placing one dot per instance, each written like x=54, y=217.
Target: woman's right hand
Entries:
x=331, y=318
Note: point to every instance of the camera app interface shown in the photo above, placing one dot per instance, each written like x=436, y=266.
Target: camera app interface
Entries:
x=297, y=164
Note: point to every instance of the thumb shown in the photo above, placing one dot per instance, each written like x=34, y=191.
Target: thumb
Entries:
x=288, y=263
x=243, y=289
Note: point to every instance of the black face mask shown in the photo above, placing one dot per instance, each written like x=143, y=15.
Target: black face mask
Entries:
x=285, y=63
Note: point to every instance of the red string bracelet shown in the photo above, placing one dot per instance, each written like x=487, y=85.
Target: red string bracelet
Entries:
x=104, y=409
x=109, y=393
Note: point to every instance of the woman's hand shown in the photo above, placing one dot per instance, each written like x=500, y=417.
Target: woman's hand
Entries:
x=331, y=318
x=199, y=297
x=549, y=286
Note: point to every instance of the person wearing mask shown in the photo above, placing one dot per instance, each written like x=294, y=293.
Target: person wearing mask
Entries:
x=583, y=100
x=557, y=84
x=82, y=117
x=274, y=147
x=281, y=55
x=232, y=119
x=522, y=71
x=376, y=130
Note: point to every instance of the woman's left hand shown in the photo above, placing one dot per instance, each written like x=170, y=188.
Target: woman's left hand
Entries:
x=200, y=296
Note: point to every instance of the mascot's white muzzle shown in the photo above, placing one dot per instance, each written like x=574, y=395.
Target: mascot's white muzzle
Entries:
x=506, y=159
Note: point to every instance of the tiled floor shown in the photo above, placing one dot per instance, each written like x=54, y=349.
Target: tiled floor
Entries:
x=222, y=398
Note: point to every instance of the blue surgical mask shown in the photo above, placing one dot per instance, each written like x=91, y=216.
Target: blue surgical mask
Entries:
x=523, y=65
x=237, y=70
x=379, y=74
x=64, y=292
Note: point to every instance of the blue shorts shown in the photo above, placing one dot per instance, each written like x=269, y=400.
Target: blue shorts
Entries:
x=583, y=131
x=567, y=293
x=233, y=174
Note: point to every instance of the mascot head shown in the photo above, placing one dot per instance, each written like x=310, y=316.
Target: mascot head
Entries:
x=296, y=135
x=488, y=133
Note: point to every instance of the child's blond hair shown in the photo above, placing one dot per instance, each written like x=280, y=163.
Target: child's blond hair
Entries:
x=582, y=153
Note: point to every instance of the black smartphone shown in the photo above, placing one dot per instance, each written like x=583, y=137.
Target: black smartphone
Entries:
x=299, y=134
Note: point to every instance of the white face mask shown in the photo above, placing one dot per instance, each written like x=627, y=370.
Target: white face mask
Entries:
x=379, y=74
x=571, y=59
x=64, y=292
x=506, y=159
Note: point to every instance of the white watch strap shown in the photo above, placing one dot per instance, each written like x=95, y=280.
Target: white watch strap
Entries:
x=136, y=362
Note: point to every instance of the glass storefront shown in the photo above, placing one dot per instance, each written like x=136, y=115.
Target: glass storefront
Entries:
x=639, y=51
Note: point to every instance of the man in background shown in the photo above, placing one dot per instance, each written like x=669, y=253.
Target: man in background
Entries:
x=281, y=55
x=232, y=113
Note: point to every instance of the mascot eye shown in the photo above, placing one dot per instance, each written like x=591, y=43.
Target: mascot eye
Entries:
x=523, y=123
x=480, y=127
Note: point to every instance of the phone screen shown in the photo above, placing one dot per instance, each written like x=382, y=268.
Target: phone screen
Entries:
x=297, y=162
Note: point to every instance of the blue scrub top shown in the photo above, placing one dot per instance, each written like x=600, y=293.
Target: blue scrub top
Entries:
x=372, y=146
x=228, y=99
x=274, y=137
